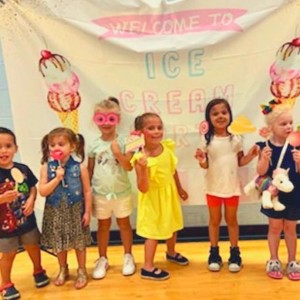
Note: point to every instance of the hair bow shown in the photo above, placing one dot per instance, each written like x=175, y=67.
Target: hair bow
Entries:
x=266, y=109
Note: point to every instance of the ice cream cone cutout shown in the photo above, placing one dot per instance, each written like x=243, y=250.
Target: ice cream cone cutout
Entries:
x=203, y=127
x=18, y=177
x=241, y=125
x=135, y=142
x=57, y=155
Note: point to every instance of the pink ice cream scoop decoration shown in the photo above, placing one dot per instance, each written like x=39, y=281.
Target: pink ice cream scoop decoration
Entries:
x=294, y=138
x=57, y=154
x=63, y=84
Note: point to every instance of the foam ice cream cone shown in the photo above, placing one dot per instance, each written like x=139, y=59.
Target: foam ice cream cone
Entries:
x=69, y=119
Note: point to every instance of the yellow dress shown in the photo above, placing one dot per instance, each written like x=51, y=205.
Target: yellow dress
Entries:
x=159, y=212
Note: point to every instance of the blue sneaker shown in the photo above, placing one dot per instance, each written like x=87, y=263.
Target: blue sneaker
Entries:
x=41, y=279
x=9, y=292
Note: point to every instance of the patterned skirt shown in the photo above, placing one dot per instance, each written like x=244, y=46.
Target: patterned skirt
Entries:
x=62, y=229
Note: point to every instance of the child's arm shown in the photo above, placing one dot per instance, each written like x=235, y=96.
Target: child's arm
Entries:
x=87, y=193
x=182, y=193
x=123, y=159
x=245, y=159
x=202, y=158
x=91, y=165
x=264, y=161
x=8, y=196
x=142, y=174
x=47, y=187
x=29, y=204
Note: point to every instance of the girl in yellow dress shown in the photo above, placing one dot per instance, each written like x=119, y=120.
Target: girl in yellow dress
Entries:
x=159, y=213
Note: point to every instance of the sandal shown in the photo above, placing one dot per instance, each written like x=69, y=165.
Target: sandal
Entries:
x=62, y=276
x=82, y=278
x=155, y=274
x=293, y=270
x=177, y=259
x=273, y=269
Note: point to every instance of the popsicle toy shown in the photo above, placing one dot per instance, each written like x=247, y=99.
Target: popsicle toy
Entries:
x=203, y=127
x=57, y=155
x=18, y=177
x=241, y=125
x=265, y=132
x=134, y=142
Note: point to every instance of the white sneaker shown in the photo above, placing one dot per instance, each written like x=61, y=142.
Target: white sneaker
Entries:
x=128, y=265
x=100, y=268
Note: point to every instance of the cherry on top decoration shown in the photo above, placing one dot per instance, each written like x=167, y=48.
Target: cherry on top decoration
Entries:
x=285, y=73
x=241, y=125
x=57, y=155
x=63, y=84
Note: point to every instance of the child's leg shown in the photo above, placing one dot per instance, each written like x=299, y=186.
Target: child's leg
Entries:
x=81, y=258
x=63, y=268
x=126, y=233
x=103, y=236
x=171, y=242
x=215, y=216
x=275, y=229
x=290, y=236
x=232, y=224
x=172, y=255
x=34, y=253
x=150, y=249
x=6, y=263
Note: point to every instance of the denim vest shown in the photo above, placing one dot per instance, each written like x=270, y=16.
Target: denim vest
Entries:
x=72, y=187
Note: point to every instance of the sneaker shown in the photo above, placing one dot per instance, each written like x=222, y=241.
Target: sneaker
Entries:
x=214, y=260
x=128, y=265
x=41, y=279
x=177, y=259
x=235, y=260
x=156, y=274
x=9, y=292
x=273, y=269
x=100, y=268
x=293, y=270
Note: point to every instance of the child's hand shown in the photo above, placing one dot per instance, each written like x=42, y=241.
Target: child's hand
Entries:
x=8, y=196
x=115, y=148
x=28, y=207
x=254, y=151
x=266, y=153
x=142, y=161
x=200, y=156
x=86, y=219
x=183, y=194
x=296, y=155
x=60, y=172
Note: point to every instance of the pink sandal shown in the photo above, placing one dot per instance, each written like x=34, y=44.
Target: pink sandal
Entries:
x=273, y=269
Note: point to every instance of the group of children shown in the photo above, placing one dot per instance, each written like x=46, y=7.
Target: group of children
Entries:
x=73, y=192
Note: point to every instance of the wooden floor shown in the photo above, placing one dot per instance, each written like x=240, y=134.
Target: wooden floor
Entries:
x=189, y=282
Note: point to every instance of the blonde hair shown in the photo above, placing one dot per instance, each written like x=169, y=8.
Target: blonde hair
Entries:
x=277, y=110
x=110, y=103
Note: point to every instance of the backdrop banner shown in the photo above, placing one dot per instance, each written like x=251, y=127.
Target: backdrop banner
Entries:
x=60, y=57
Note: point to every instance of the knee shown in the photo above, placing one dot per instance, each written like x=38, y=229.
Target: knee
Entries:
x=215, y=222
x=275, y=230
x=124, y=224
x=231, y=222
x=104, y=225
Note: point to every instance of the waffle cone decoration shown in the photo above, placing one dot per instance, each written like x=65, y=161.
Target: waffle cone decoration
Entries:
x=63, y=83
x=69, y=119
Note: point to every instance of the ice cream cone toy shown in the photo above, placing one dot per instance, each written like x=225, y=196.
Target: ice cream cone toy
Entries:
x=241, y=125
x=63, y=84
x=18, y=177
x=134, y=142
x=203, y=127
x=57, y=155
x=265, y=132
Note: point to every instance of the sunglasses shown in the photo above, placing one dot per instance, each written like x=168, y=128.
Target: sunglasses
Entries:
x=109, y=119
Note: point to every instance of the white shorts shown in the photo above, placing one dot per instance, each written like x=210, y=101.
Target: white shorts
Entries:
x=103, y=208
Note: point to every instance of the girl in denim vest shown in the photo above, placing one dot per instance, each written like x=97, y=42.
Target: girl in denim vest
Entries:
x=65, y=183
